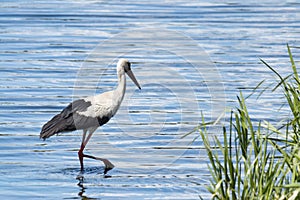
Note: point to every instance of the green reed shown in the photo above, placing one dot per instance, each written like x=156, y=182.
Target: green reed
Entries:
x=257, y=160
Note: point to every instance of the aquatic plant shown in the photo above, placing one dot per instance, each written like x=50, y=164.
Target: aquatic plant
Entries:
x=257, y=160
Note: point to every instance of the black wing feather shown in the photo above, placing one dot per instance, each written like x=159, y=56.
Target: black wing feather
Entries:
x=70, y=120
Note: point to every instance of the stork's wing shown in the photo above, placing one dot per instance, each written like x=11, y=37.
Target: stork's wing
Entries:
x=69, y=119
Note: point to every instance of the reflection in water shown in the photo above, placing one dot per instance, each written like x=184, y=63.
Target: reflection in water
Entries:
x=81, y=181
x=82, y=189
x=82, y=192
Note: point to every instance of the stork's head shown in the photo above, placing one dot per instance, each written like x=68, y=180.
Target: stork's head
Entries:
x=125, y=66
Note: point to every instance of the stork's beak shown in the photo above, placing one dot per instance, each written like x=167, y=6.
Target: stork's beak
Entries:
x=131, y=75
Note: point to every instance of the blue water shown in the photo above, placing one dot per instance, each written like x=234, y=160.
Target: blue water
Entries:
x=188, y=57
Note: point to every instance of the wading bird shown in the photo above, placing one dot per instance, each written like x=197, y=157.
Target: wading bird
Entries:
x=91, y=112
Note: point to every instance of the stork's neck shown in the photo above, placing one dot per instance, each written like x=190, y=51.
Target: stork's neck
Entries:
x=120, y=90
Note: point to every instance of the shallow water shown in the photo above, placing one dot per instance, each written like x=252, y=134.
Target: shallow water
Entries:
x=188, y=57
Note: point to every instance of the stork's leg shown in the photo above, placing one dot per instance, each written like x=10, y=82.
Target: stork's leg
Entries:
x=80, y=152
x=107, y=163
x=81, y=155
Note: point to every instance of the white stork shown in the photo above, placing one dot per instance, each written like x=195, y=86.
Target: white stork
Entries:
x=91, y=112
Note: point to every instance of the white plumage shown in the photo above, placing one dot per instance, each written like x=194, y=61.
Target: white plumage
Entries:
x=89, y=113
x=101, y=105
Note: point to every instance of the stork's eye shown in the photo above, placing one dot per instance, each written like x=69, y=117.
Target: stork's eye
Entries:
x=129, y=67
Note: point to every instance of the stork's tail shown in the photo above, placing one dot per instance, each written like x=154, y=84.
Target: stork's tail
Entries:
x=52, y=127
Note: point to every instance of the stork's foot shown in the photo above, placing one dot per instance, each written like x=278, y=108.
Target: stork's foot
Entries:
x=107, y=163
x=108, y=166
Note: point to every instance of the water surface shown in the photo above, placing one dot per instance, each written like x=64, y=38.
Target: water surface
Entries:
x=51, y=54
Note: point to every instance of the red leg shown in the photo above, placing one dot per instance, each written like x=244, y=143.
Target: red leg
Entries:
x=107, y=163
x=80, y=152
x=81, y=155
